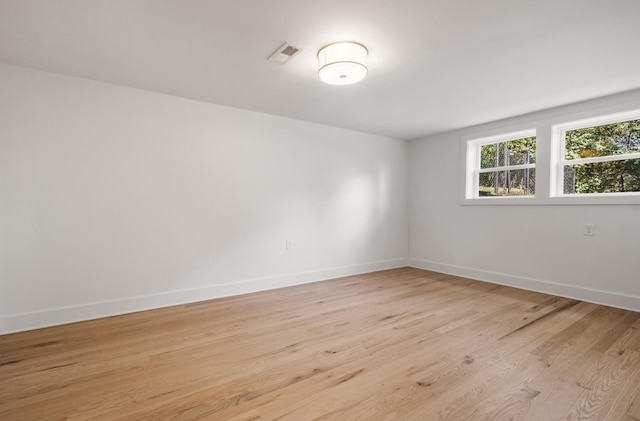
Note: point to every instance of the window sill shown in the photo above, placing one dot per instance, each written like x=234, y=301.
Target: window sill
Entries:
x=601, y=199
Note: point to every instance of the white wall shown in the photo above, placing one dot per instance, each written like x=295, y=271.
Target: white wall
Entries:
x=533, y=247
x=115, y=199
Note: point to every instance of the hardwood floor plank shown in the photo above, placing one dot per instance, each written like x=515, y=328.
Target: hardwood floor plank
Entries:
x=605, y=381
x=401, y=344
x=634, y=408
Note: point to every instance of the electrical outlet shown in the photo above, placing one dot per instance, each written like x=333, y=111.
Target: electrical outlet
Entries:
x=589, y=230
x=289, y=245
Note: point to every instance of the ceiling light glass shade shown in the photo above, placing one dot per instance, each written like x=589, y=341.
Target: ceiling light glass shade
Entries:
x=342, y=63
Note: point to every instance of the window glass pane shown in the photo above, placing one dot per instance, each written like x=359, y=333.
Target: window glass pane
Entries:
x=522, y=151
x=513, y=152
x=603, y=177
x=507, y=183
x=490, y=155
x=610, y=139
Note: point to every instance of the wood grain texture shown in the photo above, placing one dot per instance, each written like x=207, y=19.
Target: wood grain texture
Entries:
x=403, y=344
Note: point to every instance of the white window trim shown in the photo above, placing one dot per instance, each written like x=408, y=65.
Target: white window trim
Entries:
x=606, y=158
x=548, y=157
x=472, y=168
x=558, y=162
x=507, y=168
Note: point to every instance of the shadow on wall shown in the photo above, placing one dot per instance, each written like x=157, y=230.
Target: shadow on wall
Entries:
x=325, y=228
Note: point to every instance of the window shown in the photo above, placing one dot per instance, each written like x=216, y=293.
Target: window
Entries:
x=502, y=166
x=590, y=160
x=599, y=156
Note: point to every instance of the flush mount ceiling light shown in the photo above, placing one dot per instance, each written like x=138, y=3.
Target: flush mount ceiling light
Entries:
x=342, y=63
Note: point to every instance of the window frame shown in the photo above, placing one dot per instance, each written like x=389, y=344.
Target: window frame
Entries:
x=546, y=125
x=559, y=161
x=472, y=167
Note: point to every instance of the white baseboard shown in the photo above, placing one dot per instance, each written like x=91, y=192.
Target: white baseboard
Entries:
x=627, y=302
x=58, y=316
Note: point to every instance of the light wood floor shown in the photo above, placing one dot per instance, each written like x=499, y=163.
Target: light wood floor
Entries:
x=403, y=344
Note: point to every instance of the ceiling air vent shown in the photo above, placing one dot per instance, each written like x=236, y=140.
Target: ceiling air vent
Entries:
x=285, y=53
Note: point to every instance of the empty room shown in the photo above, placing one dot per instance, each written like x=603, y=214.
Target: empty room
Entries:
x=339, y=210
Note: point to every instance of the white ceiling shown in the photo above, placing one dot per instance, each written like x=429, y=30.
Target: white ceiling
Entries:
x=434, y=65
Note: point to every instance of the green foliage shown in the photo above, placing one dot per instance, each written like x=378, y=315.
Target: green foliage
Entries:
x=513, y=152
x=603, y=177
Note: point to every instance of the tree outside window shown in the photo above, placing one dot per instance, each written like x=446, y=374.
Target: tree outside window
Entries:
x=602, y=159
